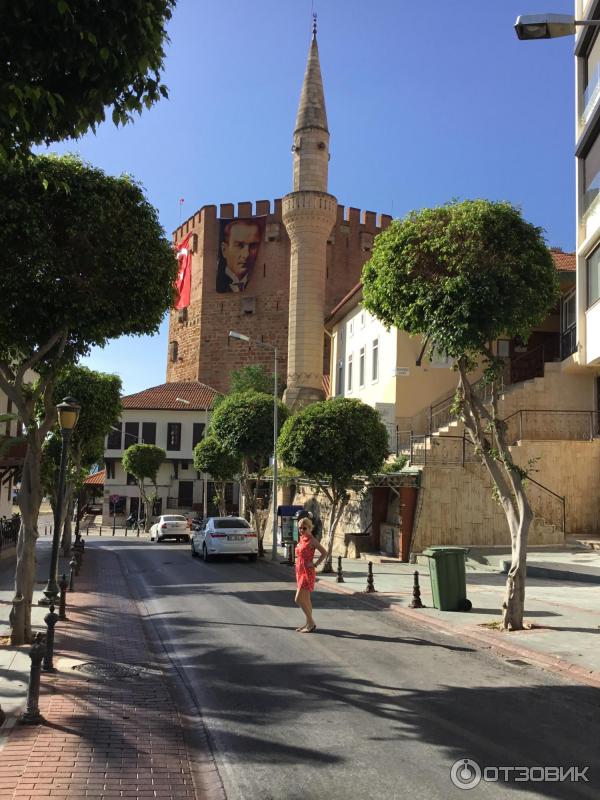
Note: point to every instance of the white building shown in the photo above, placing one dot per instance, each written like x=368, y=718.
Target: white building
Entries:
x=173, y=416
x=587, y=151
x=11, y=458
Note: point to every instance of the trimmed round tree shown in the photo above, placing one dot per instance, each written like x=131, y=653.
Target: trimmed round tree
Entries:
x=83, y=260
x=463, y=275
x=210, y=457
x=332, y=442
x=143, y=462
x=65, y=62
x=243, y=426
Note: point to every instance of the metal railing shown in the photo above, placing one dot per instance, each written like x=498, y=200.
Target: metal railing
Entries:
x=9, y=531
x=523, y=367
x=568, y=342
x=551, y=424
x=443, y=450
x=546, y=504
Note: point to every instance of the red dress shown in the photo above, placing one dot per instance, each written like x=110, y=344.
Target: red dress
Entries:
x=305, y=572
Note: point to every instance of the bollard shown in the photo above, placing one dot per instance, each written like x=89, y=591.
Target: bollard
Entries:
x=125, y=532
x=100, y=530
x=370, y=582
x=138, y=531
x=62, y=605
x=340, y=574
x=416, y=595
x=31, y=716
x=87, y=532
x=45, y=530
x=72, y=564
x=77, y=560
x=50, y=619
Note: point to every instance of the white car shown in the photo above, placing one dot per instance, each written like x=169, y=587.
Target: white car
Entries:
x=170, y=526
x=224, y=536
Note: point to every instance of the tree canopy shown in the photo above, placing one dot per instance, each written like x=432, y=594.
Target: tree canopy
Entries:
x=99, y=395
x=334, y=441
x=143, y=461
x=65, y=61
x=253, y=377
x=83, y=259
x=243, y=424
x=209, y=456
x=462, y=274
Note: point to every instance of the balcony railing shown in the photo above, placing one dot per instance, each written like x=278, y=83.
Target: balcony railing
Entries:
x=591, y=95
x=568, y=342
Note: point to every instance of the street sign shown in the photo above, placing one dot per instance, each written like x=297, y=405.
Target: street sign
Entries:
x=114, y=498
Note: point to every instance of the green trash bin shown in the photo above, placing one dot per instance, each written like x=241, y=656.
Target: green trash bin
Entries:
x=448, y=579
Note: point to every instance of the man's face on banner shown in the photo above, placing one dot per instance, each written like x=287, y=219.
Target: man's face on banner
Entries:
x=240, y=247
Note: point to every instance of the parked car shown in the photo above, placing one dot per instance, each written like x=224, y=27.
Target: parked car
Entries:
x=225, y=536
x=93, y=508
x=170, y=526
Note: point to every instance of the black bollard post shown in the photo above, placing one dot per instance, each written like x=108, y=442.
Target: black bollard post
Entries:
x=138, y=531
x=62, y=605
x=31, y=716
x=340, y=574
x=125, y=532
x=87, y=532
x=50, y=619
x=416, y=595
x=100, y=530
x=370, y=582
x=72, y=564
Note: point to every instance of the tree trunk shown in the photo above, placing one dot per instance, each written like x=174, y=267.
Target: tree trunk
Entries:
x=513, y=607
x=30, y=498
x=220, y=492
x=335, y=515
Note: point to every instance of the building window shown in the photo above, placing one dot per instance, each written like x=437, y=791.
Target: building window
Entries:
x=184, y=465
x=149, y=432
x=183, y=315
x=131, y=481
x=113, y=440
x=503, y=348
x=351, y=327
x=339, y=386
x=132, y=433
x=174, y=436
x=198, y=433
x=109, y=465
x=591, y=176
x=591, y=93
x=350, y=372
x=375, y=361
x=361, y=367
x=174, y=346
x=362, y=319
x=593, y=275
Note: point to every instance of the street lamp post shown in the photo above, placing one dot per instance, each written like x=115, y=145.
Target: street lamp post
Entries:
x=243, y=338
x=68, y=413
x=549, y=26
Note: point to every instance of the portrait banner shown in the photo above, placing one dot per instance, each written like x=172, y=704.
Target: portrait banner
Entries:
x=239, y=245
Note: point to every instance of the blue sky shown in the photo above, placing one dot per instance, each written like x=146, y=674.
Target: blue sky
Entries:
x=426, y=102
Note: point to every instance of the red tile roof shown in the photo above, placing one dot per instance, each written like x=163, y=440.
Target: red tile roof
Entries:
x=564, y=262
x=96, y=479
x=165, y=397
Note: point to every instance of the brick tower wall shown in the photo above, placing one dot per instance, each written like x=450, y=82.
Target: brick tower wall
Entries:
x=203, y=351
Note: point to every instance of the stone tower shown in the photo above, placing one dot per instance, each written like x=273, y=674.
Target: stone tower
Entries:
x=309, y=214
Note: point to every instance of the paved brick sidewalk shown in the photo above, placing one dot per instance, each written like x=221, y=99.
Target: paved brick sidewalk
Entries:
x=104, y=737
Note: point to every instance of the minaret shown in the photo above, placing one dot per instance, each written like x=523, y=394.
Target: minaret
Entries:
x=309, y=214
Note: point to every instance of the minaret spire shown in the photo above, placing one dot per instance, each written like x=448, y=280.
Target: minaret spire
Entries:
x=309, y=214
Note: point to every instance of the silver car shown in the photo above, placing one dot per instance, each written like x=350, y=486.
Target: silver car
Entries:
x=224, y=536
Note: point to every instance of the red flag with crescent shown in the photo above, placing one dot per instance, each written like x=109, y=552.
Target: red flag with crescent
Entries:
x=183, y=284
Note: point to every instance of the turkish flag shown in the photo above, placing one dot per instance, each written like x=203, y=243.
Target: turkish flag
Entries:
x=183, y=284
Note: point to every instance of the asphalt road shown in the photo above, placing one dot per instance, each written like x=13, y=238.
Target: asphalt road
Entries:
x=369, y=706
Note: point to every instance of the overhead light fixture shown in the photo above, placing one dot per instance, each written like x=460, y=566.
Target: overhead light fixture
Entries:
x=545, y=26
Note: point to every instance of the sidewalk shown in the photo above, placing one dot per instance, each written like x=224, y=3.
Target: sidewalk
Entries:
x=111, y=726
x=562, y=607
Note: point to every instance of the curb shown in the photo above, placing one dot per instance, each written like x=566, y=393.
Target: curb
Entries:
x=554, y=664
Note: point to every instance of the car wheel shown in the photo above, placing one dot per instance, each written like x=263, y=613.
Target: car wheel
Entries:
x=205, y=555
x=158, y=539
x=252, y=557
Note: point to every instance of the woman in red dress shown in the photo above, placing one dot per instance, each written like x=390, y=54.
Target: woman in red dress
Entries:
x=305, y=571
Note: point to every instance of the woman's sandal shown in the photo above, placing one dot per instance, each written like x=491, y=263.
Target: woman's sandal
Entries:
x=300, y=629
x=309, y=630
